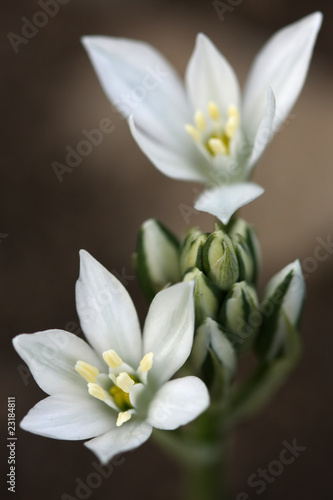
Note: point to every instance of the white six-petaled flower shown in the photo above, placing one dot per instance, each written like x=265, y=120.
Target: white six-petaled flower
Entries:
x=119, y=389
x=205, y=131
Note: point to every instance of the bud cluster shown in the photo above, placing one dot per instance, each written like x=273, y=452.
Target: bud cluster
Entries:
x=224, y=265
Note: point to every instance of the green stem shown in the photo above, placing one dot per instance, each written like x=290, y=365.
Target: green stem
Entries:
x=202, y=449
x=208, y=481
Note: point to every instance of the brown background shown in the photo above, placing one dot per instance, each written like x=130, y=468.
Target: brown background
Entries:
x=50, y=95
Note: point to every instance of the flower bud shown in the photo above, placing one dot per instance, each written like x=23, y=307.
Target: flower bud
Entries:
x=214, y=356
x=220, y=261
x=244, y=259
x=207, y=296
x=247, y=231
x=157, y=258
x=240, y=315
x=281, y=310
x=191, y=250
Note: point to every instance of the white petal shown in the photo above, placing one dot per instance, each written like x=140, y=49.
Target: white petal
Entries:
x=120, y=439
x=51, y=357
x=169, y=329
x=281, y=64
x=157, y=257
x=181, y=160
x=64, y=416
x=106, y=311
x=209, y=77
x=178, y=402
x=223, y=201
x=264, y=133
x=295, y=295
x=139, y=81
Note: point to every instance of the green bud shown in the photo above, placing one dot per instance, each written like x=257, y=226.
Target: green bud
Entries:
x=281, y=310
x=242, y=228
x=220, y=261
x=244, y=259
x=207, y=296
x=157, y=258
x=191, y=250
x=240, y=315
x=214, y=356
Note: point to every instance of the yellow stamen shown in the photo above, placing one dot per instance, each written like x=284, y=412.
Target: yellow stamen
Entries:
x=123, y=417
x=200, y=121
x=97, y=392
x=124, y=381
x=211, y=131
x=192, y=131
x=213, y=111
x=217, y=146
x=147, y=362
x=232, y=122
x=112, y=359
x=87, y=371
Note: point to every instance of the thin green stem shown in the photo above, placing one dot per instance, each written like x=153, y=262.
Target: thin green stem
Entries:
x=202, y=450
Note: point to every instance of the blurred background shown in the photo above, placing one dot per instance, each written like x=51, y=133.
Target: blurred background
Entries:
x=51, y=94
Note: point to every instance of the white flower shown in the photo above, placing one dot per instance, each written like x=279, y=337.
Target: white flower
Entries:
x=118, y=390
x=205, y=132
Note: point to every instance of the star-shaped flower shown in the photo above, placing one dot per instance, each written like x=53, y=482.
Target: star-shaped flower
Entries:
x=119, y=389
x=205, y=131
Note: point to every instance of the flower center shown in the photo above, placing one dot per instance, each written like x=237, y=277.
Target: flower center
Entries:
x=213, y=132
x=114, y=388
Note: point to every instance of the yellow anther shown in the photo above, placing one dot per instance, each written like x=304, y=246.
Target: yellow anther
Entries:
x=213, y=111
x=232, y=122
x=217, y=146
x=97, y=392
x=123, y=417
x=192, y=131
x=200, y=120
x=147, y=362
x=87, y=371
x=112, y=359
x=124, y=381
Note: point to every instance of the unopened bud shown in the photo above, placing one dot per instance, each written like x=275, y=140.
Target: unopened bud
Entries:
x=240, y=315
x=244, y=259
x=281, y=309
x=157, y=258
x=191, y=250
x=214, y=356
x=242, y=228
x=207, y=296
x=220, y=261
